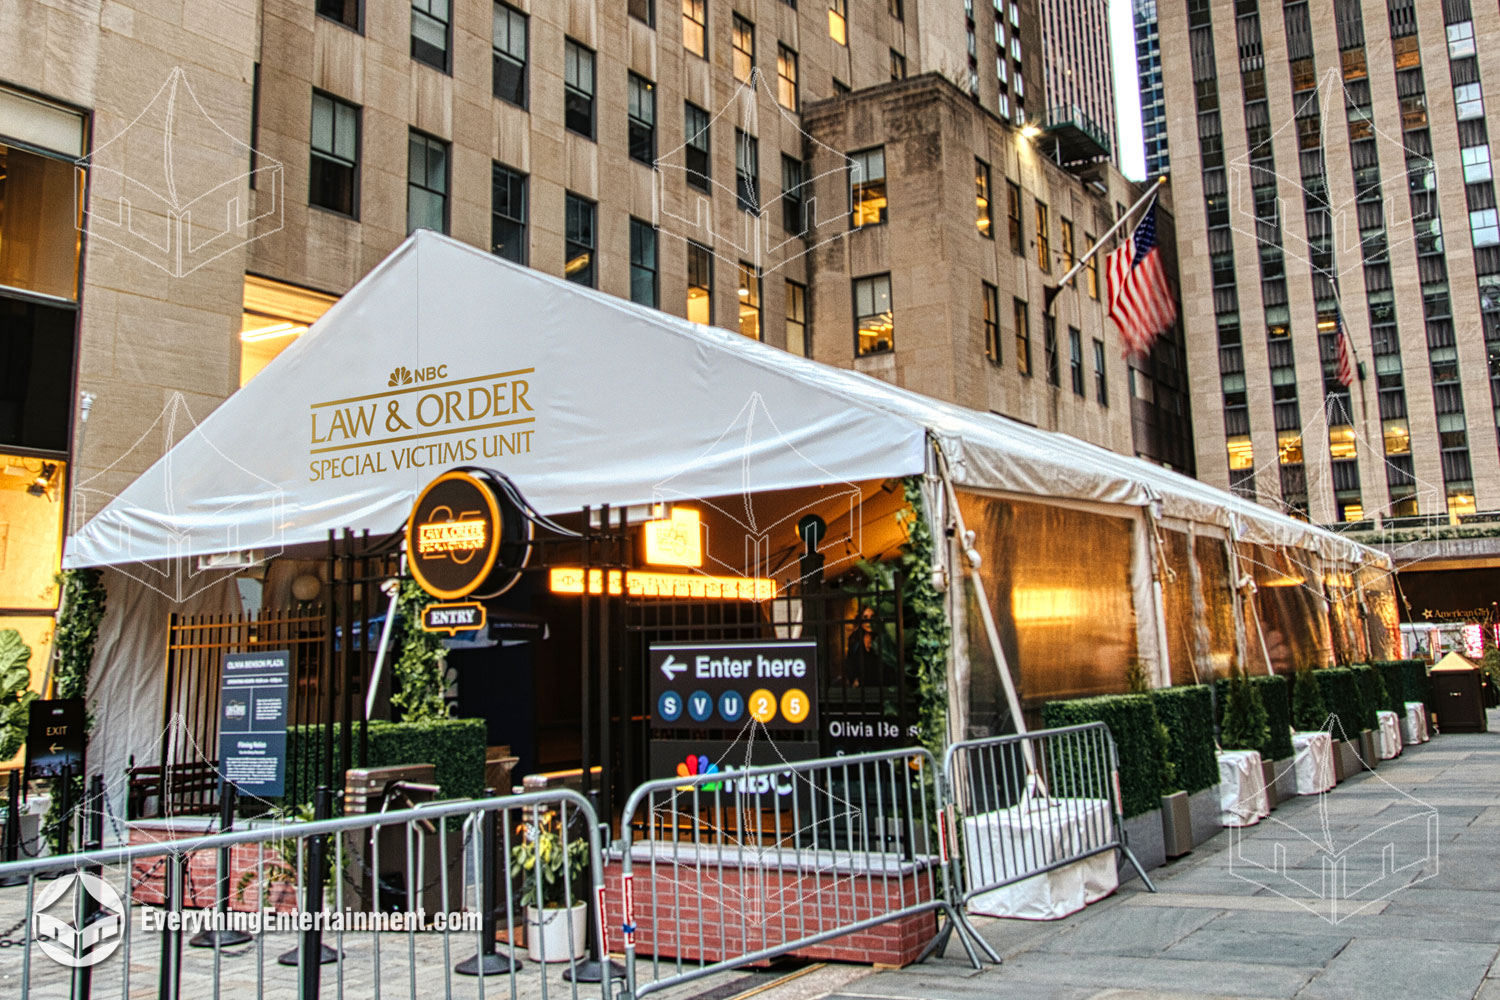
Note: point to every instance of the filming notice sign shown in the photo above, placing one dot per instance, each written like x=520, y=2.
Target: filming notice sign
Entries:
x=252, y=721
x=721, y=685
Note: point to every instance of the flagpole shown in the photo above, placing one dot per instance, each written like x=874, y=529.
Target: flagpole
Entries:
x=1083, y=261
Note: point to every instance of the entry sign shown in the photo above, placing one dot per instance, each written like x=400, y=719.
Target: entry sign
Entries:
x=54, y=738
x=252, y=721
x=453, y=618
x=723, y=685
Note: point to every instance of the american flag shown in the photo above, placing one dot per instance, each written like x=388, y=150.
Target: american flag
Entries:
x=1140, y=300
x=1345, y=373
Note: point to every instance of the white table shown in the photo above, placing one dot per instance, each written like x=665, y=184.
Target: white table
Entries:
x=1242, y=788
x=1037, y=832
x=1313, y=763
x=1414, y=726
x=1388, y=737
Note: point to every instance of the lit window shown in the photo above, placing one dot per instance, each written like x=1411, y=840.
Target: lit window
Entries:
x=1461, y=503
x=1289, y=447
x=1022, y=318
x=429, y=33
x=39, y=241
x=578, y=260
x=1043, y=244
x=1353, y=511
x=1092, y=269
x=749, y=295
x=982, y=199
x=700, y=294
x=1468, y=100
x=426, y=183
x=874, y=319
x=695, y=26
x=1065, y=231
x=578, y=89
x=991, y=305
x=643, y=285
x=1460, y=39
x=898, y=65
x=1405, y=52
x=1397, y=437
x=333, y=171
x=837, y=29
x=509, y=82
x=275, y=315
x=796, y=318
x=1341, y=443
x=641, y=109
x=743, y=39
x=867, y=187
x=786, y=77
x=895, y=7
x=1241, y=453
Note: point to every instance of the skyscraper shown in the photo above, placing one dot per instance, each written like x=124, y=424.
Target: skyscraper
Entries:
x=1077, y=71
x=1153, y=104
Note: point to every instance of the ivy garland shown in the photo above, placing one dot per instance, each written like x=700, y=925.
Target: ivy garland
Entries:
x=927, y=628
x=419, y=670
x=73, y=641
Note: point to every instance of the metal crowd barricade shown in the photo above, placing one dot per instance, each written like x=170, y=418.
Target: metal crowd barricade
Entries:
x=458, y=854
x=1027, y=804
x=739, y=865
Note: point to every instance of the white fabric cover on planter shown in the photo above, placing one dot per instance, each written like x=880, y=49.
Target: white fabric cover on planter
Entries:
x=1314, y=762
x=1388, y=737
x=1414, y=726
x=1242, y=788
x=1034, y=833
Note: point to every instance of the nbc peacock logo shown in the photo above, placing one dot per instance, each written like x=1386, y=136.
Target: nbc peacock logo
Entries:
x=695, y=764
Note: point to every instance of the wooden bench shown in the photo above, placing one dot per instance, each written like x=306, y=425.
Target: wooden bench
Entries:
x=179, y=789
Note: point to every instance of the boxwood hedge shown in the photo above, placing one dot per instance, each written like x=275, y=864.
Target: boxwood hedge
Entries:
x=1390, y=673
x=1131, y=719
x=1187, y=712
x=1368, y=680
x=455, y=746
x=1276, y=694
x=1345, y=707
x=1413, y=684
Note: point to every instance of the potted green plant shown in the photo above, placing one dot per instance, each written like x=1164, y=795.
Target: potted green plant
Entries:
x=1176, y=818
x=1246, y=725
x=550, y=867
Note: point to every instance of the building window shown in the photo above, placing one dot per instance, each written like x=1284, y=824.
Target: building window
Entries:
x=696, y=154
x=1469, y=101
x=982, y=199
x=749, y=300
x=1043, y=243
x=508, y=214
x=1049, y=349
x=1023, y=336
x=898, y=66
x=510, y=55
x=695, y=27
x=792, y=176
x=643, y=285
x=874, y=319
x=1065, y=233
x=426, y=183
x=1461, y=39
x=1092, y=268
x=578, y=252
x=796, y=319
x=1476, y=160
x=1101, y=383
x=578, y=89
x=1075, y=360
x=867, y=187
x=333, y=171
x=743, y=39
x=746, y=171
x=642, y=10
x=429, y=33
x=641, y=101
x=1013, y=215
x=1484, y=227
x=786, y=77
x=837, y=21
x=346, y=12
x=700, y=279
x=991, y=296
x=1397, y=437
x=894, y=6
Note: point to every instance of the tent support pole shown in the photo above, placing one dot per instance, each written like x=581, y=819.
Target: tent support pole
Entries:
x=991, y=632
x=385, y=642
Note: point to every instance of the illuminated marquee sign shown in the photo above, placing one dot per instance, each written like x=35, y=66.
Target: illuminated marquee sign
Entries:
x=569, y=580
x=454, y=536
x=451, y=536
x=675, y=541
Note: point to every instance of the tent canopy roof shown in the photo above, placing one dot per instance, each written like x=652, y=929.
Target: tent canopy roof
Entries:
x=444, y=355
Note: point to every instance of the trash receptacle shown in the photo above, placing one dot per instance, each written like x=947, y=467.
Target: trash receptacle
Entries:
x=408, y=857
x=1457, y=695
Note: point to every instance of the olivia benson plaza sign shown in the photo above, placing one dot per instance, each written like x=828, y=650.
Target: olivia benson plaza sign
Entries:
x=424, y=418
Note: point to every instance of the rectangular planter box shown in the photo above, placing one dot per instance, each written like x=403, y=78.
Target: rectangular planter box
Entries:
x=1346, y=754
x=1176, y=825
x=1268, y=777
x=1145, y=839
x=1367, y=749
x=1204, y=807
x=1286, y=780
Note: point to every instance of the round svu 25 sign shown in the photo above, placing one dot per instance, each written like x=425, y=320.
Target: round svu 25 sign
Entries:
x=458, y=535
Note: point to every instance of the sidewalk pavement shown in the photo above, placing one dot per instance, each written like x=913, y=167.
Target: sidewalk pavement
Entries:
x=1220, y=927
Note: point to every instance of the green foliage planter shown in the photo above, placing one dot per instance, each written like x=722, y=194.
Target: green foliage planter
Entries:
x=1390, y=676
x=1131, y=719
x=455, y=746
x=1187, y=712
x=1372, y=695
x=1413, y=680
x=1275, y=695
x=1341, y=696
x=1309, y=710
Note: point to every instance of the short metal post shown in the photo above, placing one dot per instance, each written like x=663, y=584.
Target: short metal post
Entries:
x=224, y=936
x=87, y=907
x=591, y=969
x=311, y=947
x=488, y=962
x=171, y=938
x=13, y=826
